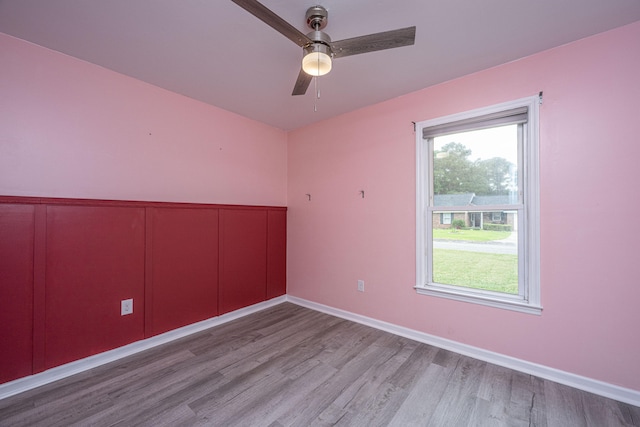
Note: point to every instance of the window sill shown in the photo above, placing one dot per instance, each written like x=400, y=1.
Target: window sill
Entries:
x=490, y=301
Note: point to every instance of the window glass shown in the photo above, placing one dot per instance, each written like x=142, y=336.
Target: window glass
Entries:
x=473, y=169
x=476, y=258
x=483, y=163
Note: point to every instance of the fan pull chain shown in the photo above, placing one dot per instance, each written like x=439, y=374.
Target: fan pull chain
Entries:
x=315, y=100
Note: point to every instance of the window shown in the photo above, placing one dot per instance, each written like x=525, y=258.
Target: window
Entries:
x=446, y=218
x=483, y=163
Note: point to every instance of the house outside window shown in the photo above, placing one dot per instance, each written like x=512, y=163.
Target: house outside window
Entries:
x=477, y=206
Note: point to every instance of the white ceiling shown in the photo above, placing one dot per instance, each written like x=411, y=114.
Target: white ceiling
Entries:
x=216, y=52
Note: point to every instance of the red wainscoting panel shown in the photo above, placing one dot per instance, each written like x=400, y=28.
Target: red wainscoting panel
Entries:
x=66, y=265
x=276, y=253
x=16, y=291
x=94, y=259
x=243, y=258
x=183, y=261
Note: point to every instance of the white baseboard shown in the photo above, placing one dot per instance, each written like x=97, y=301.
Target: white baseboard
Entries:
x=600, y=388
x=54, y=374
x=621, y=394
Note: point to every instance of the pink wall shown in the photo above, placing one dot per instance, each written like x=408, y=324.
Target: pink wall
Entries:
x=589, y=154
x=72, y=129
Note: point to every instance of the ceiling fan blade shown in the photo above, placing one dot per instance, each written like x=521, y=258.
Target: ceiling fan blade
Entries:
x=302, y=83
x=373, y=42
x=274, y=21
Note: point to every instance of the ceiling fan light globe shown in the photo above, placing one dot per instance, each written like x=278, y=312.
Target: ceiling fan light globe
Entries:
x=316, y=63
x=317, y=59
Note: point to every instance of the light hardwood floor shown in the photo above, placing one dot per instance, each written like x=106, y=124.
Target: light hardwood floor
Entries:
x=289, y=365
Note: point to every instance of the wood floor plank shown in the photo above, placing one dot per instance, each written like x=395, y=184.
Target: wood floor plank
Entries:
x=370, y=398
x=563, y=405
x=601, y=412
x=379, y=394
x=499, y=385
x=291, y=366
x=460, y=394
x=340, y=388
x=630, y=414
x=423, y=398
x=264, y=408
x=538, y=408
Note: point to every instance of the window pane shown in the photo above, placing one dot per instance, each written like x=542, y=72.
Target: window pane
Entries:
x=476, y=168
x=476, y=258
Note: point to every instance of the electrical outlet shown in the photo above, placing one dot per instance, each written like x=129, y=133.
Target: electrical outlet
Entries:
x=126, y=306
x=361, y=285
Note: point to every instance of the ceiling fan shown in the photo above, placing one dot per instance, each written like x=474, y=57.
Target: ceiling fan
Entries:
x=318, y=49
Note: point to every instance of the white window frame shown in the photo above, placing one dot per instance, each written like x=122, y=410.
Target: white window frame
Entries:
x=528, y=298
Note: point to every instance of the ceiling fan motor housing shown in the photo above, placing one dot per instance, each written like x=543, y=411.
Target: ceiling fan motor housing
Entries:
x=321, y=43
x=317, y=17
x=320, y=37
